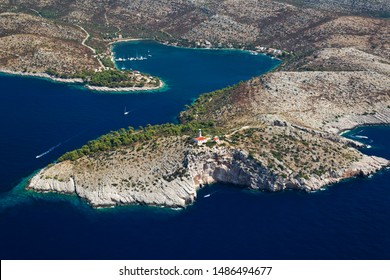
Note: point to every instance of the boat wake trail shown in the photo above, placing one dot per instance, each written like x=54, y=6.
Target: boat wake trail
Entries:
x=208, y=195
x=49, y=150
x=361, y=136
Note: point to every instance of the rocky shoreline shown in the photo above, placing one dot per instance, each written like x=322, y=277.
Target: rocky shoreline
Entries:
x=173, y=179
x=349, y=122
x=81, y=82
x=125, y=89
x=42, y=75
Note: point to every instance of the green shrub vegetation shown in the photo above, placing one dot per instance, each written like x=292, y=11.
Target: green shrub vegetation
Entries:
x=129, y=137
x=201, y=105
x=107, y=62
x=108, y=78
x=111, y=78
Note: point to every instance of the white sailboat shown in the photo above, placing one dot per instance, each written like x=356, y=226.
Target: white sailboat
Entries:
x=126, y=112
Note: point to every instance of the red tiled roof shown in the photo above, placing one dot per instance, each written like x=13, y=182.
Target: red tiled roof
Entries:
x=200, y=138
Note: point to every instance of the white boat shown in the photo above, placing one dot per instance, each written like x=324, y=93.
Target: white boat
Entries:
x=126, y=112
x=209, y=194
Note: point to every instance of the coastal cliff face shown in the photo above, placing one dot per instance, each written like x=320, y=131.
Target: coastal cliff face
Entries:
x=235, y=167
x=168, y=172
x=143, y=174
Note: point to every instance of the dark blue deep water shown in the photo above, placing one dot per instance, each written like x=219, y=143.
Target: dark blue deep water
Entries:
x=349, y=220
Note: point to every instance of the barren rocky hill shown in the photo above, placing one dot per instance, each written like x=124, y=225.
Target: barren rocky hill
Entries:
x=31, y=43
x=228, y=22
x=300, y=27
x=371, y=7
x=320, y=100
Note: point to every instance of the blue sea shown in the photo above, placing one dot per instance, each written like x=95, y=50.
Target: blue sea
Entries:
x=41, y=118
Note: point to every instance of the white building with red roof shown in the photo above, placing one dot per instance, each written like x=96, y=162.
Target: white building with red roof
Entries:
x=200, y=139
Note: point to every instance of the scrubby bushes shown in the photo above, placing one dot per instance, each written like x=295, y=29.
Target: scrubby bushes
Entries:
x=128, y=137
x=107, y=78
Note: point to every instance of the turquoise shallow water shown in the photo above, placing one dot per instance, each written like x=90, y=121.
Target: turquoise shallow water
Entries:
x=346, y=221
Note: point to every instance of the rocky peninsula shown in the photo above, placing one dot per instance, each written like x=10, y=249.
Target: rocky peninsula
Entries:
x=170, y=176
